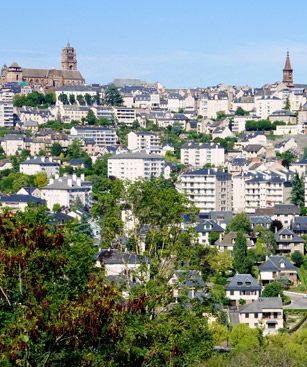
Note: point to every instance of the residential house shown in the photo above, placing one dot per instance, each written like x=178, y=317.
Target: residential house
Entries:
x=276, y=267
x=18, y=202
x=242, y=288
x=123, y=264
x=228, y=242
x=264, y=313
x=32, y=166
x=299, y=226
x=189, y=281
x=286, y=213
x=287, y=242
x=204, y=228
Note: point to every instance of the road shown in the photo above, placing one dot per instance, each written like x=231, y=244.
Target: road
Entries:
x=298, y=302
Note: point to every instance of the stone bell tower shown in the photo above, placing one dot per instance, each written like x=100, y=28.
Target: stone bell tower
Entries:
x=69, y=58
x=288, y=72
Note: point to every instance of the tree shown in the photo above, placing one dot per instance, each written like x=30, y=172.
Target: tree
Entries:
x=240, y=222
x=298, y=190
x=287, y=158
x=41, y=179
x=213, y=237
x=220, y=262
x=241, y=112
x=242, y=337
x=88, y=99
x=240, y=262
x=273, y=289
x=80, y=100
x=220, y=115
x=287, y=104
x=75, y=149
x=56, y=149
x=112, y=96
x=63, y=98
x=72, y=99
x=297, y=258
x=91, y=118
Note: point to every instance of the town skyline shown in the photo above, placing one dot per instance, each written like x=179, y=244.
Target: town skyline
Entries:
x=179, y=47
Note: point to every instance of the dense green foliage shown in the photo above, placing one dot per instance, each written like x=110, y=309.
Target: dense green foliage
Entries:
x=298, y=190
x=262, y=125
x=112, y=96
x=34, y=99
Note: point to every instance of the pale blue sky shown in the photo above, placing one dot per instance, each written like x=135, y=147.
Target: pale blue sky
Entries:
x=179, y=43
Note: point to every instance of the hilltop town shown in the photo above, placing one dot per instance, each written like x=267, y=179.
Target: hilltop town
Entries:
x=192, y=198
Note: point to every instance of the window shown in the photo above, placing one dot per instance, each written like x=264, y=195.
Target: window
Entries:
x=271, y=325
x=256, y=315
x=247, y=315
x=232, y=293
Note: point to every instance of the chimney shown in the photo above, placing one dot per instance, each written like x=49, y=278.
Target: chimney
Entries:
x=74, y=177
x=50, y=159
x=78, y=181
x=51, y=181
x=82, y=177
x=69, y=182
x=56, y=176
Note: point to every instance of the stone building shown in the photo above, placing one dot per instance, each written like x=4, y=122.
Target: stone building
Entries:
x=46, y=78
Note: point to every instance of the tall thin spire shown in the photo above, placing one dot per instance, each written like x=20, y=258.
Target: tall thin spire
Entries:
x=288, y=72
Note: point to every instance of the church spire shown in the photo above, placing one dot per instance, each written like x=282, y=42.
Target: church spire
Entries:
x=288, y=72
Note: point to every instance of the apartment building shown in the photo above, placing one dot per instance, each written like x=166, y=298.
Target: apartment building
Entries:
x=66, y=191
x=266, y=105
x=209, y=189
x=101, y=135
x=6, y=108
x=199, y=154
x=259, y=190
x=135, y=165
x=39, y=164
x=125, y=115
x=147, y=141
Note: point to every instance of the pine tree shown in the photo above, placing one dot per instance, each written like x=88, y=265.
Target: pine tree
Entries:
x=298, y=190
x=240, y=254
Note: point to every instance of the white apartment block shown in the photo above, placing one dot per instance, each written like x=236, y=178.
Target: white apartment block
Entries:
x=146, y=141
x=6, y=108
x=253, y=190
x=133, y=166
x=68, y=114
x=101, y=135
x=66, y=191
x=209, y=189
x=125, y=115
x=199, y=154
x=266, y=105
x=40, y=164
x=209, y=106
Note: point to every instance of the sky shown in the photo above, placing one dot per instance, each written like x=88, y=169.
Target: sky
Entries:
x=180, y=43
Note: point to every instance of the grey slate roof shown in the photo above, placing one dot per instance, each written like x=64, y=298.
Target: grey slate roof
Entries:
x=190, y=278
x=18, y=198
x=202, y=226
x=299, y=224
x=42, y=161
x=262, y=303
x=273, y=263
x=281, y=209
x=112, y=257
x=284, y=231
x=242, y=282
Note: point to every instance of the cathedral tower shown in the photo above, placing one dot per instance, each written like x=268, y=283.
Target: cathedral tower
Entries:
x=288, y=72
x=69, y=58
